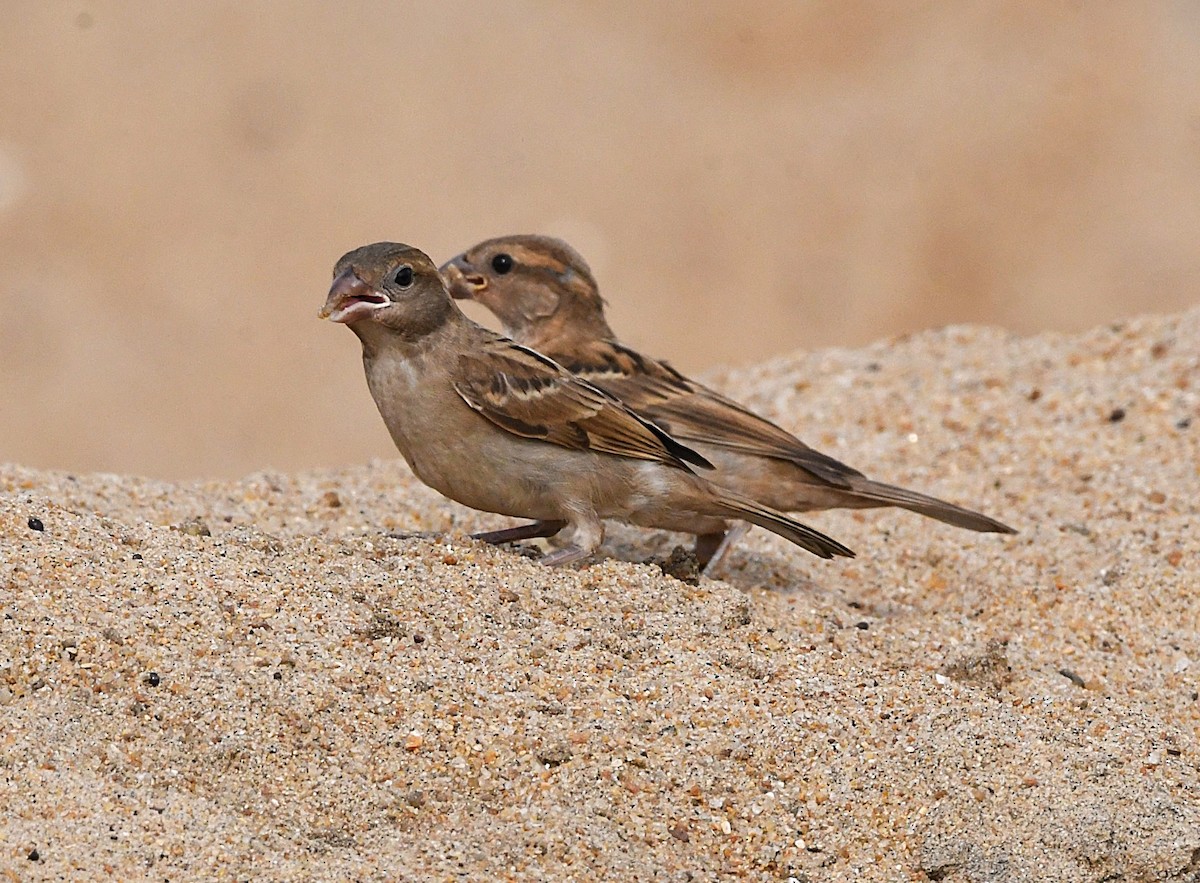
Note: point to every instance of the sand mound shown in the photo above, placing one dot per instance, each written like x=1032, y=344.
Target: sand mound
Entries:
x=251, y=680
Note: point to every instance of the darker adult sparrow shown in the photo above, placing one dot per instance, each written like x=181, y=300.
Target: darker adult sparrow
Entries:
x=499, y=427
x=546, y=297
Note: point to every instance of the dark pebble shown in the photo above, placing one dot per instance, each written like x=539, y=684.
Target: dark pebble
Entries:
x=36, y=524
x=137, y=556
x=153, y=679
x=682, y=565
x=418, y=639
x=1117, y=415
x=278, y=676
x=34, y=855
x=1184, y=423
x=1072, y=677
x=864, y=625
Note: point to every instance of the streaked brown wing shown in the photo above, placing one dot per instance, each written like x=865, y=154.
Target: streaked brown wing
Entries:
x=529, y=395
x=695, y=414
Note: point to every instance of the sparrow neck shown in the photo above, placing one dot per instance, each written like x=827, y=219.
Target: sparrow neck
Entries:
x=564, y=333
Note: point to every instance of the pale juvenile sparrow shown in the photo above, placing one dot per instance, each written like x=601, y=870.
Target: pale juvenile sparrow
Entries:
x=544, y=294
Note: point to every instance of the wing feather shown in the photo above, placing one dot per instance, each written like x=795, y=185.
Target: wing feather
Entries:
x=695, y=414
x=529, y=395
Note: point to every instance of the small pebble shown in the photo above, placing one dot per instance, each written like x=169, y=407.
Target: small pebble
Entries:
x=194, y=527
x=36, y=524
x=682, y=565
x=554, y=755
x=1072, y=677
x=153, y=679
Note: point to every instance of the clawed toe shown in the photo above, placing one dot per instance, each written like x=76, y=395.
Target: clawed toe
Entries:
x=565, y=555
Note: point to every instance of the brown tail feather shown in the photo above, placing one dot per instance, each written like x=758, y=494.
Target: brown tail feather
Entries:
x=791, y=530
x=889, y=495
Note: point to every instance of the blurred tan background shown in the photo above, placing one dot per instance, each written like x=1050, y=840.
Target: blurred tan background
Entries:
x=177, y=179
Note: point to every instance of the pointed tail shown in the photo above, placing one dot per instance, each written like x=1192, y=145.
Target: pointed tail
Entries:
x=882, y=494
x=793, y=531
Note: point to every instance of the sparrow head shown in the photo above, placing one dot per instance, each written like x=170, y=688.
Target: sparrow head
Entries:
x=537, y=286
x=390, y=285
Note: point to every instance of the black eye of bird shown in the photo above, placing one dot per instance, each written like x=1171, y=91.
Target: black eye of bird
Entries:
x=404, y=277
x=502, y=263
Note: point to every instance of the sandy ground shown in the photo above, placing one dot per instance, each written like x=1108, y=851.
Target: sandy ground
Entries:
x=250, y=680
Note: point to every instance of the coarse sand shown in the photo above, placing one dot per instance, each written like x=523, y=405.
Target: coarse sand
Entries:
x=253, y=681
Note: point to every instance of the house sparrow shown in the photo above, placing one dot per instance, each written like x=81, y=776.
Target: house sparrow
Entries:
x=546, y=297
x=500, y=427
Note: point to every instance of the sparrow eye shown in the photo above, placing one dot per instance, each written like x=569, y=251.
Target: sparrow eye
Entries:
x=404, y=277
x=502, y=263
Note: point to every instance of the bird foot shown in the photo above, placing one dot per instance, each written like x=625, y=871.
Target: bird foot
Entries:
x=713, y=548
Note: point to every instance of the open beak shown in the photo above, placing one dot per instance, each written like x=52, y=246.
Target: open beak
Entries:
x=351, y=299
x=461, y=283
